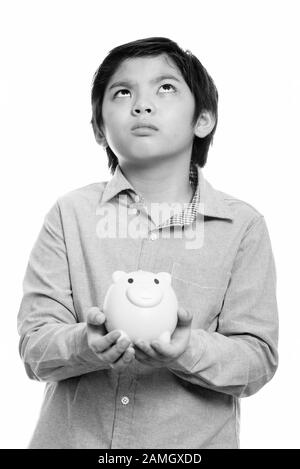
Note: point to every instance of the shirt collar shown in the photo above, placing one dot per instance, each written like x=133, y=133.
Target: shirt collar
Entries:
x=115, y=185
x=212, y=202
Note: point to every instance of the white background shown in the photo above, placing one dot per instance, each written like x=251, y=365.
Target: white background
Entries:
x=50, y=51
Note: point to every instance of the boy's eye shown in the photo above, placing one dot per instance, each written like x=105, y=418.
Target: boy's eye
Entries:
x=168, y=85
x=124, y=90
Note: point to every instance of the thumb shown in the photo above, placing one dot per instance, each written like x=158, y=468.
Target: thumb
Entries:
x=95, y=317
x=184, y=317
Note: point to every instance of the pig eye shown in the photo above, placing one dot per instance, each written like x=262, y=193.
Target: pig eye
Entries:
x=130, y=280
x=156, y=281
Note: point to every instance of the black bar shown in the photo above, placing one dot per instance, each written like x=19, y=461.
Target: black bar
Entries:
x=148, y=457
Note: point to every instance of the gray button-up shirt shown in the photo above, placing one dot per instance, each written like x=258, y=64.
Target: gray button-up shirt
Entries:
x=222, y=270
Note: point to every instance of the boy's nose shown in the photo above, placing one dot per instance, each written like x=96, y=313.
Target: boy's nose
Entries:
x=140, y=108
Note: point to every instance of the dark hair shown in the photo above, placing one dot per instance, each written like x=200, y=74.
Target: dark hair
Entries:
x=195, y=75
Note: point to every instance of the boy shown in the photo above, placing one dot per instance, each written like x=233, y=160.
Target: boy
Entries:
x=155, y=112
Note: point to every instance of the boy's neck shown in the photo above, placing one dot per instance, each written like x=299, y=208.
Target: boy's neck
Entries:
x=166, y=182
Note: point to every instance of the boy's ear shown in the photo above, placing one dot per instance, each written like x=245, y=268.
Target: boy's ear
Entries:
x=205, y=124
x=99, y=136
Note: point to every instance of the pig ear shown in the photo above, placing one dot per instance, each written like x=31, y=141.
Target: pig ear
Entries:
x=117, y=275
x=164, y=277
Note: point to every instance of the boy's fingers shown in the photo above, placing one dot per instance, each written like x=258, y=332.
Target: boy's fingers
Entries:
x=95, y=317
x=123, y=335
x=102, y=343
x=111, y=338
x=111, y=347
x=114, y=352
x=124, y=360
x=166, y=350
x=145, y=349
x=129, y=354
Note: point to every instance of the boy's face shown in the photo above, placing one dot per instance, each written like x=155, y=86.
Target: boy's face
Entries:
x=146, y=98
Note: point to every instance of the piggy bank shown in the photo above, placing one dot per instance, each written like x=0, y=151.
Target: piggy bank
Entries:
x=141, y=304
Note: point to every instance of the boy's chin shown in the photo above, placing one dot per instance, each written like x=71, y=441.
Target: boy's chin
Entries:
x=146, y=157
x=141, y=160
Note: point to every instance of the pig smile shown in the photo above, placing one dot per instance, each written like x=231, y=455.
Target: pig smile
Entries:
x=143, y=299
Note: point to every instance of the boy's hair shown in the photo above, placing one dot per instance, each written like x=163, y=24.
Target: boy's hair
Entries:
x=195, y=75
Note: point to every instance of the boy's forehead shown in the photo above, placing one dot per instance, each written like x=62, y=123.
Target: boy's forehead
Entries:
x=150, y=65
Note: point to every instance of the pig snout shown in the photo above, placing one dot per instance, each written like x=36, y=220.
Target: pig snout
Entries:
x=144, y=296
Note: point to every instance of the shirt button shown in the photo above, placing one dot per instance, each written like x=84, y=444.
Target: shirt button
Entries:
x=125, y=400
x=137, y=198
x=153, y=236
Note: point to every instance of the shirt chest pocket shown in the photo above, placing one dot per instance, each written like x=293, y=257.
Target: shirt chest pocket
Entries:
x=200, y=290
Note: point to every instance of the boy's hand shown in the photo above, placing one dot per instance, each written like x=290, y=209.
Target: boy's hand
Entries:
x=116, y=354
x=159, y=354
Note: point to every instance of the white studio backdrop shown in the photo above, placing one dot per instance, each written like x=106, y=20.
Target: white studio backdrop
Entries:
x=50, y=51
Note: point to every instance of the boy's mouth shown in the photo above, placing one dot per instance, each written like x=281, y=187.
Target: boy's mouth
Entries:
x=144, y=126
x=143, y=131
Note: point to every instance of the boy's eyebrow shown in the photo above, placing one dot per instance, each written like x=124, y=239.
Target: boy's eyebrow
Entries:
x=155, y=80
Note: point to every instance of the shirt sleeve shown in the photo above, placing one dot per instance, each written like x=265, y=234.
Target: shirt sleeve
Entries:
x=53, y=344
x=242, y=355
